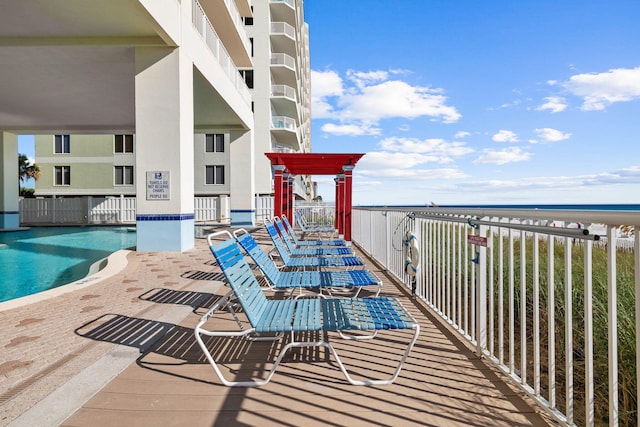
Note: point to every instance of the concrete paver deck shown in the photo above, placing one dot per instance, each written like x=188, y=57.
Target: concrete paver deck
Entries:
x=121, y=352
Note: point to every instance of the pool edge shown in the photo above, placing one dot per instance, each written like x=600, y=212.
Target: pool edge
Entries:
x=116, y=262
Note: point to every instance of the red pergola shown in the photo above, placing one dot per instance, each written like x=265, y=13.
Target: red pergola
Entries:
x=286, y=165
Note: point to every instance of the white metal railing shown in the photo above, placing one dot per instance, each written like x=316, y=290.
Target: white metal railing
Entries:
x=316, y=212
x=551, y=297
x=283, y=59
x=288, y=2
x=283, y=122
x=283, y=28
x=210, y=37
x=237, y=20
x=283, y=90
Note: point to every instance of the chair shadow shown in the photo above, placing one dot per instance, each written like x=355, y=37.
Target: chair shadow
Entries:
x=196, y=300
x=164, y=347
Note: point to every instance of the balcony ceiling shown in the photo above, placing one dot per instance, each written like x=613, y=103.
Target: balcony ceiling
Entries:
x=69, y=66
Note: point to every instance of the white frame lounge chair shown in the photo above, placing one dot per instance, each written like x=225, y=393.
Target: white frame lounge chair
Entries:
x=303, y=243
x=299, y=316
x=292, y=280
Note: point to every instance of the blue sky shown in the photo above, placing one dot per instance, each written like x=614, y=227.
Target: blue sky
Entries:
x=470, y=102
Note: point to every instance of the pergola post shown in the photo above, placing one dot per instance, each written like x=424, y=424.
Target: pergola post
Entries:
x=291, y=197
x=278, y=172
x=340, y=207
x=348, y=172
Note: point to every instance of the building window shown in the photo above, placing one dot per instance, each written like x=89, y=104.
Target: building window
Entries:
x=123, y=144
x=247, y=75
x=248, y=20
x=214, y=174
x=62, y=144
x=123, y=175
x=214, y=143
x=63, y=175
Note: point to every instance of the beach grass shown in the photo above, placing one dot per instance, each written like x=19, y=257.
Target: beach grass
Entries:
x=626, y=334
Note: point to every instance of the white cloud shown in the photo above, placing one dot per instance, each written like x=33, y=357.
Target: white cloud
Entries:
x=555, y=104
x=440, y=149
x=552, y=135
x=461, y=134
x=372, y=97
x=361, y=78
x=505, y=136
x=326, y=84
x=353, y=129
x=599, y=90
x=501, y=157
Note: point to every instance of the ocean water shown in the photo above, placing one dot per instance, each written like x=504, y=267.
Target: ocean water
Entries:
x=585, y=207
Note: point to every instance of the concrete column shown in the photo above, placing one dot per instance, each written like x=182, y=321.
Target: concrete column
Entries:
x=9, y=210
x=286, y=191
x=340, y=204
x=164, y=144
x=242, y=185
x=278, y=197
x=291, y=196
x=348, y=171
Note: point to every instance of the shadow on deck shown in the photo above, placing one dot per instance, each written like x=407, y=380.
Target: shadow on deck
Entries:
x=443, y=383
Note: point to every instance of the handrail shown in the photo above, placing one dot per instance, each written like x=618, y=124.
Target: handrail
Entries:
x=212, y=40
x=574, y=274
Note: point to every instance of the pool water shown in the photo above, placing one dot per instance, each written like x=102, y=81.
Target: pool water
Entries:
x=43, y=258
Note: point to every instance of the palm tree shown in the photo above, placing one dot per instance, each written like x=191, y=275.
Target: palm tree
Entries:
x=26, y=170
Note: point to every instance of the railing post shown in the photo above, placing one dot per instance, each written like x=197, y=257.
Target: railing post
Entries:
x=481, y=295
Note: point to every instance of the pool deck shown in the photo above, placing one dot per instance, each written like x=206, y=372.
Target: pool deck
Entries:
x=120, y=351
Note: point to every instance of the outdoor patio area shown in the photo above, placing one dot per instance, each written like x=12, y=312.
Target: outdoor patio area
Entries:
x=122, y=352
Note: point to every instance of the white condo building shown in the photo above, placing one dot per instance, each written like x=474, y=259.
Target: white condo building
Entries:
x=202, y=88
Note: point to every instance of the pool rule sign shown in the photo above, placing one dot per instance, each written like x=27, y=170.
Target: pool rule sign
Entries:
x=158, y=185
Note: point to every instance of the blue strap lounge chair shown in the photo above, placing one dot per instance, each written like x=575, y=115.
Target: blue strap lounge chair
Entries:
x=292, y=280
x=289, y=260
x=306, y=227
x=303, y=243
x=299, y=317
x=306, y=251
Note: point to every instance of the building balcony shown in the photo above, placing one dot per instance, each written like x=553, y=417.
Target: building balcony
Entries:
x=217, y=48
x=283, y=69
x=283, y=10
x=283, y=38
x=227, y=20
x=285, y=131
x=283, y=99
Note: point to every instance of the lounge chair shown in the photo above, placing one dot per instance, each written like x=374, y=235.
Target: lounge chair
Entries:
x=306, y=251
x=309, y=261
x=292, y=280
x=307, y=227
x=299, y=318
x=302, y=243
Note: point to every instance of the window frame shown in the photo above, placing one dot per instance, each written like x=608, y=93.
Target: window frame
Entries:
x=217, y=142
x=214, y=174
x=126, y=143
x=65, y=176
x=123, y=174
x=62, y=144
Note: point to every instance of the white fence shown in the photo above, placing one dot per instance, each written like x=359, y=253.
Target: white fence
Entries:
x=122, y=210
x=536, y=292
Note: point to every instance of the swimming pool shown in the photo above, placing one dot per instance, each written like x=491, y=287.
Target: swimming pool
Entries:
x=43, y=258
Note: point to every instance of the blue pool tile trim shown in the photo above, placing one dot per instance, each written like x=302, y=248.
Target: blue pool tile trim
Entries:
x=243, y=210
x=9, y=212
x=165, y=217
